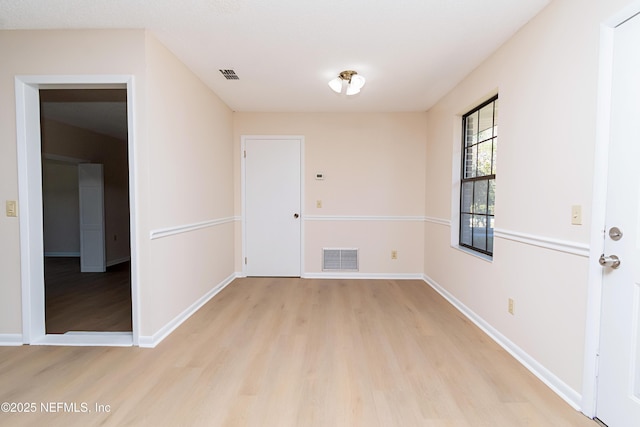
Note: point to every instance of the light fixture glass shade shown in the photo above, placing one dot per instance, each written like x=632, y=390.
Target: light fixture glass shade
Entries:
x=352, y=90
x=350, y=79
x=336, y=84
x=357, y=81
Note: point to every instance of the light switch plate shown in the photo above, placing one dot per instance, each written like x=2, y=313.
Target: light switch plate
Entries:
x=576, y=215
x=12, y=209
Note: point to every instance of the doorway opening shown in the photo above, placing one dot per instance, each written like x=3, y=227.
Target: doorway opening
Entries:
x=86, y=236
x=40, y=167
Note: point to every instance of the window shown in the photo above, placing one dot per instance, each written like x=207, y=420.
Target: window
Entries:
x=478, y=177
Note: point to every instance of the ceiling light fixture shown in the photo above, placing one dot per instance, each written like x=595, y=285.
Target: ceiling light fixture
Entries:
x=348, y=79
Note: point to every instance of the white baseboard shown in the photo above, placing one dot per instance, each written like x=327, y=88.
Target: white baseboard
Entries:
x=155, y=339
x=562, y=389
x=118, y=261
x=10, y=339
x=371, y=276
x=62, y=254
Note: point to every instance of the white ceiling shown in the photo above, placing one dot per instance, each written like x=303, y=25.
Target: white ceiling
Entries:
x=411, y=52
x=108, y=118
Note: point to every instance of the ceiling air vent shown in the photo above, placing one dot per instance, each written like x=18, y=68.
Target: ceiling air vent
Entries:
x=339, y=259
x=229, y=74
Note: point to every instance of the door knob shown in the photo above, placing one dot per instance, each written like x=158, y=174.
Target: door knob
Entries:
x=295, y=215
x=609, y=261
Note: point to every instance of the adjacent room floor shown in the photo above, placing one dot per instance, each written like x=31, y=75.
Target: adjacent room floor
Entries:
x=293, y=352
x=76, y=301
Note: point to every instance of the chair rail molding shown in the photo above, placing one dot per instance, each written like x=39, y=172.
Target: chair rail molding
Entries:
x=184, y=228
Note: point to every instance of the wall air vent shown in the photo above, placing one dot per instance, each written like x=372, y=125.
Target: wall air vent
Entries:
x=229, y=74
x=339, y=259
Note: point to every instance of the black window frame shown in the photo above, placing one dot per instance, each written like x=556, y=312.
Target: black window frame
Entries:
x=470, y=215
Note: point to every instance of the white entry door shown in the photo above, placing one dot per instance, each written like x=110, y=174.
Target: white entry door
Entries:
x=272, y=217
x=91, y=200
x=618, y=402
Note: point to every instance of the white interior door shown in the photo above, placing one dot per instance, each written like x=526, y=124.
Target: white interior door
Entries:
x=618, y=402
x=272, y=207
x=91, y=200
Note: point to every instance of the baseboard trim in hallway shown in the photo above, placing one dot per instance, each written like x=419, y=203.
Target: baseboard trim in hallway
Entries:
x=362, y=276
x=559, y=387
x=10, y=339
x=155, y=339
x=291, y=352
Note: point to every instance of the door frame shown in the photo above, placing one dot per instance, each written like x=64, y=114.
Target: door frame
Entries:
x=29, y=155
x=243, y=139
x=599, y=205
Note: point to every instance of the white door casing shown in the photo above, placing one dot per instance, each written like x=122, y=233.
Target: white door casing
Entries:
x=618, y=386
x=30, y=199
x=272, y=214
x=93, y=257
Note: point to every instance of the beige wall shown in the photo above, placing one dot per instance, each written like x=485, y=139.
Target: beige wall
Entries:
x=374, y=167
x=182, y=159
x=190, y=180
x=69, y=141
x=546, y=77
x=40, y=53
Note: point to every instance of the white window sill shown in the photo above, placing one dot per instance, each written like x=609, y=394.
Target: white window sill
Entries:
x=484, y=257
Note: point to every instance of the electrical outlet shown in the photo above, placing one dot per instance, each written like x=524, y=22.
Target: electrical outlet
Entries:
x=394, y=254
x=510, y=305
x=318, y=203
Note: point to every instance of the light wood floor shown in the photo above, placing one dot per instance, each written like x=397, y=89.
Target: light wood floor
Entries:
x=76, y=301
x=292, y=352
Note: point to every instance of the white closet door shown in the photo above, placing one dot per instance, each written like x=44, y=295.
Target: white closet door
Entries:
x=91, y=194
x=272, y=207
